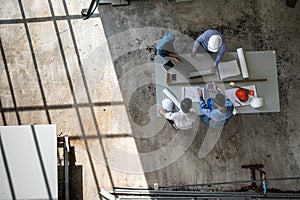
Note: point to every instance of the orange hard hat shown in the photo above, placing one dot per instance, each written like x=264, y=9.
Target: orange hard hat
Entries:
x=241, y=94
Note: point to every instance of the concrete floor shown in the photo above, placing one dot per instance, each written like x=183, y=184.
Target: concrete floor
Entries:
x=93, y=78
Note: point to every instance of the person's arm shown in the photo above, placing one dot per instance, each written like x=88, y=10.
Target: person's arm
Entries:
x=203, y=106
x=213, y=68
x=200, y=39
x=229, y=105
x=174, y=58
x=162, y=112
x=167, y=115
x=221, y=53
x=217, y=89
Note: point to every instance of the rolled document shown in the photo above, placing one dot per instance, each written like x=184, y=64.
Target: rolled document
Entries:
x=171, y=97
x=243, y=64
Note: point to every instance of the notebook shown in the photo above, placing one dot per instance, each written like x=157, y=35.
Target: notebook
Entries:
x=192, y=93
x=228, y=69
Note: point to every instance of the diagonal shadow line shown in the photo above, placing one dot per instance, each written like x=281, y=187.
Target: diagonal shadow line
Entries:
x=72, y=89
x=91, y=137
x=56, y=107
x=41, y=161
x=43, y=19
x=7, y=168
x=2, y=113
x=9, y=83
x=34, y=61
x=88, y=95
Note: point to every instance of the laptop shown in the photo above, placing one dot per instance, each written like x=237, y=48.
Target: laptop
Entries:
x=170, y=76
x=168, y=65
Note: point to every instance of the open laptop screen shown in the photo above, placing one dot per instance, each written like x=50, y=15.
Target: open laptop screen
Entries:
x=168, y=65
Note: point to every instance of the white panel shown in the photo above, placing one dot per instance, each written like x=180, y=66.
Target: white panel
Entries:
x=24, y=163
x=4, y=183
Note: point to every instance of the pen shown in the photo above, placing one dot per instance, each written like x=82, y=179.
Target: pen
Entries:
x=218, y=74
x=238, y=102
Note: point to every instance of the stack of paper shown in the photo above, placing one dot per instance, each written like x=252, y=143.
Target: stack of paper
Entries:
x=228, y=69
x=191, y=92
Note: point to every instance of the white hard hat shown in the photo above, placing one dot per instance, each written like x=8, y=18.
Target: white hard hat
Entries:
x=256, y=102
x=167, y=105
x=214, y=43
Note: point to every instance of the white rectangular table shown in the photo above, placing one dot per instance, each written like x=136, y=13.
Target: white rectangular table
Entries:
x=262, y=73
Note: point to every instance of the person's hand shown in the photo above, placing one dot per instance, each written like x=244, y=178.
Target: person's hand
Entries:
x=156, y=41
x=162, y=112
x=200, y=92
x=175, y=58
x=193, y=53
x=213, y=68
x=215, y=85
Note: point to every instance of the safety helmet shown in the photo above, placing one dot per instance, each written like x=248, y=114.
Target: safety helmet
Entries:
x=256, y=102
x=214, y=43
x=242, y=95
x=167, y=105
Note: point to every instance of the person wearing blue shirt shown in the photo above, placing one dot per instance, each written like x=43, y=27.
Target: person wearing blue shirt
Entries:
x=165, y=47
x=219, y=112
x=213, y=42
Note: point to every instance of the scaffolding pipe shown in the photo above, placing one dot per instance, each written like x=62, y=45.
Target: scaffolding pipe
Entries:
x=66, y=166
x=198, y=194
x=229, y=182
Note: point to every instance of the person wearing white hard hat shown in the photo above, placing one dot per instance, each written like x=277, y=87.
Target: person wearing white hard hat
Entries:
x=182, y=119
x=213, y=42
x=167, y=105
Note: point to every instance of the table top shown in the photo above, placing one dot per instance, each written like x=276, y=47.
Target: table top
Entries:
x=262, y=73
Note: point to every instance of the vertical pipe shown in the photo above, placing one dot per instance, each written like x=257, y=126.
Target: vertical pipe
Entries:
x=66, y=166
x=91, y=7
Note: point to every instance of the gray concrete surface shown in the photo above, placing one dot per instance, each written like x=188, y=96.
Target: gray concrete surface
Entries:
x=94, y=79
x=270, y=139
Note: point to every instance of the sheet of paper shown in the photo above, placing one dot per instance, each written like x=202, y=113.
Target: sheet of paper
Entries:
x=228, y=69
x=243, y=63
x=191, y=92
x=230, y=93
